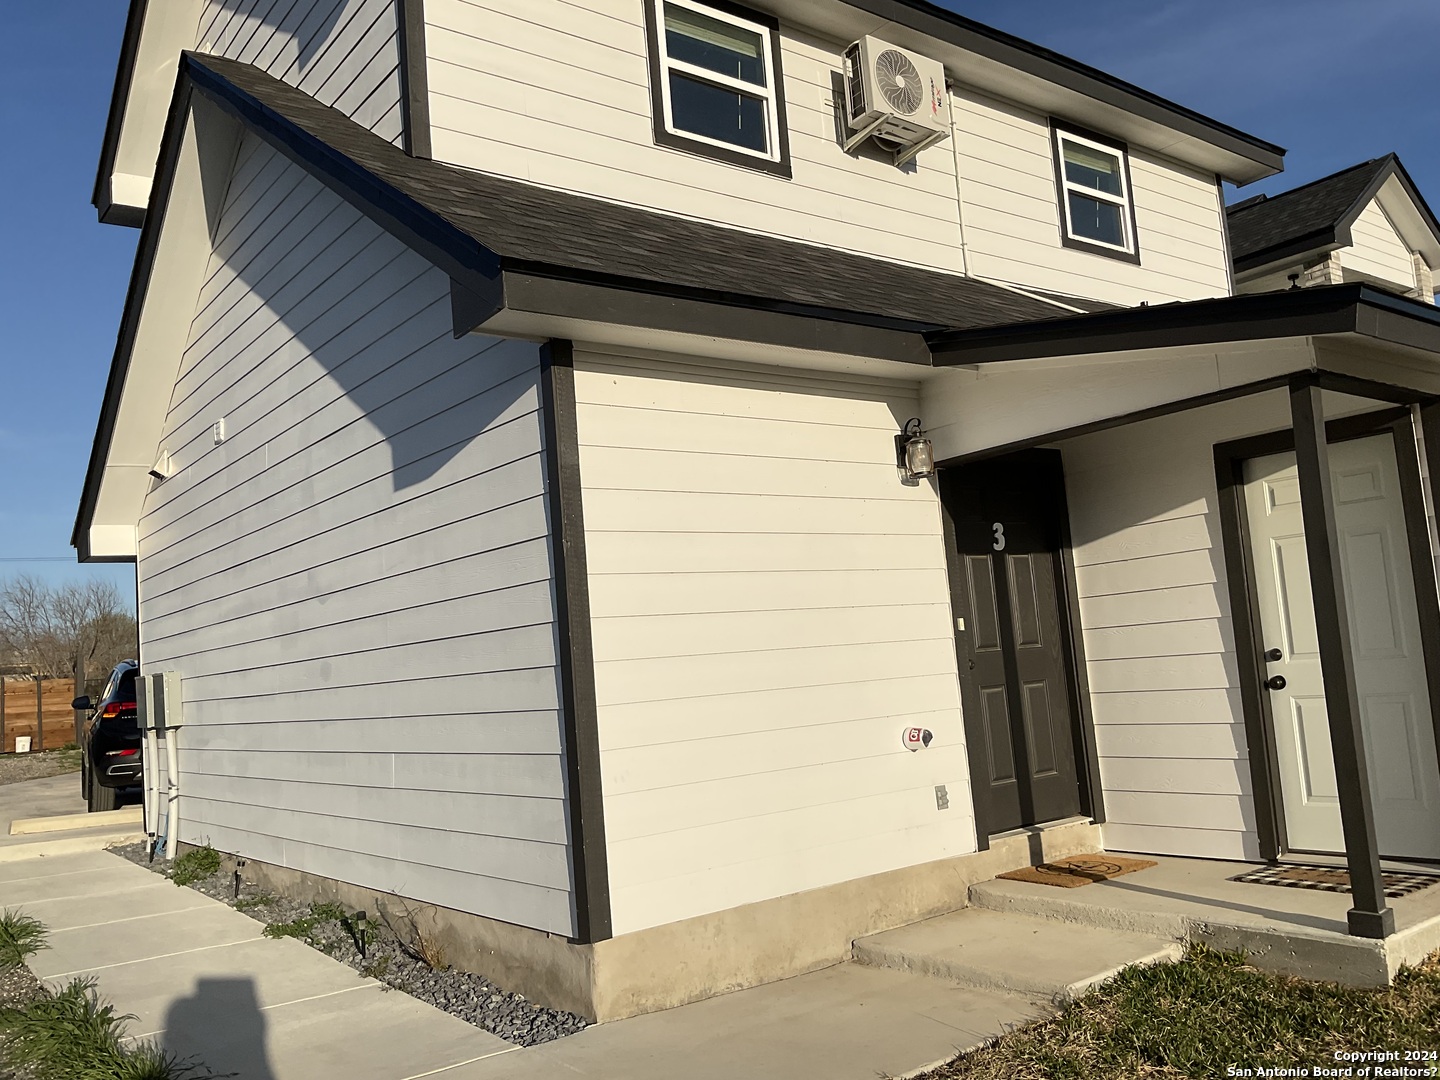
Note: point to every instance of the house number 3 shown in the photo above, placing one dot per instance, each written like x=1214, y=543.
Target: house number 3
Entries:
x=999, y=536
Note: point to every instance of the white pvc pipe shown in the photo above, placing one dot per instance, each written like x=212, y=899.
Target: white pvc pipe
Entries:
x=172, y=813
x=149, y=768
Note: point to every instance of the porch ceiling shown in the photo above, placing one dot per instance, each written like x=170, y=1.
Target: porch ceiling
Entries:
x=1007, y=388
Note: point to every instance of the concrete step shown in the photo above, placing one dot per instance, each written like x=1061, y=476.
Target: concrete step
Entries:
x=991, y=950
x=1093, y=906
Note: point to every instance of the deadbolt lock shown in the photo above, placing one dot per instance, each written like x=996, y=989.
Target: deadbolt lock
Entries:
x=1272, y=655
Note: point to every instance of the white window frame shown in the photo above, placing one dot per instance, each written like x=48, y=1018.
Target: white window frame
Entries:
x=769, y=93
x=1123, y=200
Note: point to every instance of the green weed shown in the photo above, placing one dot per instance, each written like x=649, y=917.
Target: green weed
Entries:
x=197, y=864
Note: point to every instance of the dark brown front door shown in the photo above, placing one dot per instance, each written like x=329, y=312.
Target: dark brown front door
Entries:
x=1006, y=584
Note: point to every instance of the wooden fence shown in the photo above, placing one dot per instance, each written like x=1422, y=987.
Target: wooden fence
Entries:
x=18, y=714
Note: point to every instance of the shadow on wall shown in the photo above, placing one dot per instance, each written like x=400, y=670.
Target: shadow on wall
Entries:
x=376, y=318
x=310, y=21
x=222, y=1027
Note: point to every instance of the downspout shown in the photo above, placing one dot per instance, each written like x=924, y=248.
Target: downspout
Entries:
x=169, y=686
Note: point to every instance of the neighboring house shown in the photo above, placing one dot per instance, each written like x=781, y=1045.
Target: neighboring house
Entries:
x=504, y=425
x=1365, y=224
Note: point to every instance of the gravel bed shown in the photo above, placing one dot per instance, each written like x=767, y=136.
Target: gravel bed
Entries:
x=15, y=768
x=391, y=961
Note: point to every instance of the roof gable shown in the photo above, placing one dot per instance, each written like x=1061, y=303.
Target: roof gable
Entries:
x=1318, y=216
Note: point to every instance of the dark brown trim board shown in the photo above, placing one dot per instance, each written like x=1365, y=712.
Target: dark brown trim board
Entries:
x=975, y=753
x=576, y=652
x=1254, y=705
x=414, y=78
x=1072, y=629
x=1368, y=916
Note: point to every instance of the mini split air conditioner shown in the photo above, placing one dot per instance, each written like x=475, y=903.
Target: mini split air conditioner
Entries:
x=895, y=97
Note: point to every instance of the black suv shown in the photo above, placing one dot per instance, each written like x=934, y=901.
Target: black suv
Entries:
x=110, y=740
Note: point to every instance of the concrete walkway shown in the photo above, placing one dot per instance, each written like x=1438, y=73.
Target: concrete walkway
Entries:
x=55, y=796
x=200, y=977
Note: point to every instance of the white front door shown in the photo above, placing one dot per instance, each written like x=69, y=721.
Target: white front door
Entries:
x=1385, y=636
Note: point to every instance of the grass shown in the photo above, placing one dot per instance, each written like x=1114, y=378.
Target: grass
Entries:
x=250, y=903
x=1208, y=1013
x=197, y=864
x=72, y=1034
x=21, y=937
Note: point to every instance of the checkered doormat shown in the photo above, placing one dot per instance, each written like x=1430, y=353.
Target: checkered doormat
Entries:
x=1332, y=879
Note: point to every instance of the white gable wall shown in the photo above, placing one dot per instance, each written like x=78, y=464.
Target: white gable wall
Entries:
x=1012, y=215
x=355, y=584
x=558, y=93
x=1377, y=251
x=343, y=53
x=770, y=610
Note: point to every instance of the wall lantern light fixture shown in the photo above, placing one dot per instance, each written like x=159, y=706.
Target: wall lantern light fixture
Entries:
x=914, y=454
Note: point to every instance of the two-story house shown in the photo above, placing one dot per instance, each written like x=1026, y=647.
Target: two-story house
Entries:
x=678, y=485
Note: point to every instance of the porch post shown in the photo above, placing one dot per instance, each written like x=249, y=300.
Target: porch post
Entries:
x=1368, y=916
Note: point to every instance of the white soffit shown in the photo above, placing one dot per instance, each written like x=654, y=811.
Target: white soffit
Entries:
x=156, y=325
x=167, y=28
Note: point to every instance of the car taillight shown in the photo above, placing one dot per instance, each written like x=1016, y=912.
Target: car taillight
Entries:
x=115, y=708
x=120, y=753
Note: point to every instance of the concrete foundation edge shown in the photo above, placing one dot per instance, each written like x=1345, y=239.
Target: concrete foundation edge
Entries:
x=666, y=966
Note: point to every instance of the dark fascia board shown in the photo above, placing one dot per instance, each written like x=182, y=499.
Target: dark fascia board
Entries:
x=564, y=293
x=1061, y=70
x=145, y=252
x=1317, y=243
x=124, y=71
x=1331, y=309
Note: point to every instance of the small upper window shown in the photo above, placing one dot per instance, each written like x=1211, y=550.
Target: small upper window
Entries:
x=1096, y=208
x=715, y=72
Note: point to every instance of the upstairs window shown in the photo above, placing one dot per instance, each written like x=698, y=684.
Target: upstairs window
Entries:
x=716, y=83
x=1097, y=211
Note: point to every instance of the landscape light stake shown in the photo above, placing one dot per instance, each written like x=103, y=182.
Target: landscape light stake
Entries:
x=238, y=864
x=362, y=922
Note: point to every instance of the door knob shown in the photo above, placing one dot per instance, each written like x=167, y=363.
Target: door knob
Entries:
x=1272, y=655
x=1275, y=682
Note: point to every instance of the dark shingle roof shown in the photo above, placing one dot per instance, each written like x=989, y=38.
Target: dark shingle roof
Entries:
x=534, y=227
x=1281, y=223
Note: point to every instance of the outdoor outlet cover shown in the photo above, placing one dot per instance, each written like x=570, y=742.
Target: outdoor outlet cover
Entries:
x=942, y=797
x=219, y=431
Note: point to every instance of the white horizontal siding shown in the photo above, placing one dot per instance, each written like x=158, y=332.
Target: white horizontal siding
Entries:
x=769, y=610
x=1012, y=215
x=1159, y=642
x=343, y=53
x=1377, y=250
x=355, y=584
x=558, y=93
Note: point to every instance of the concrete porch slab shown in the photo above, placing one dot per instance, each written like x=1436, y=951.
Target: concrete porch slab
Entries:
x=992, y=950
x=1292, y=931
x=109, y=819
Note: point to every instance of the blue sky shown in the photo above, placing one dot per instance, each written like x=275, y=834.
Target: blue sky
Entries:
x=1333, y=81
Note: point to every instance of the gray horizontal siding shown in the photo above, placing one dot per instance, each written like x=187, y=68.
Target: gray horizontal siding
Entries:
x=355, y=584
x=343, y=53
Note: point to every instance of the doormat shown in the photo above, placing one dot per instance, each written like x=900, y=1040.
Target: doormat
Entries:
x=1078, y=870
x=1331, y=879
